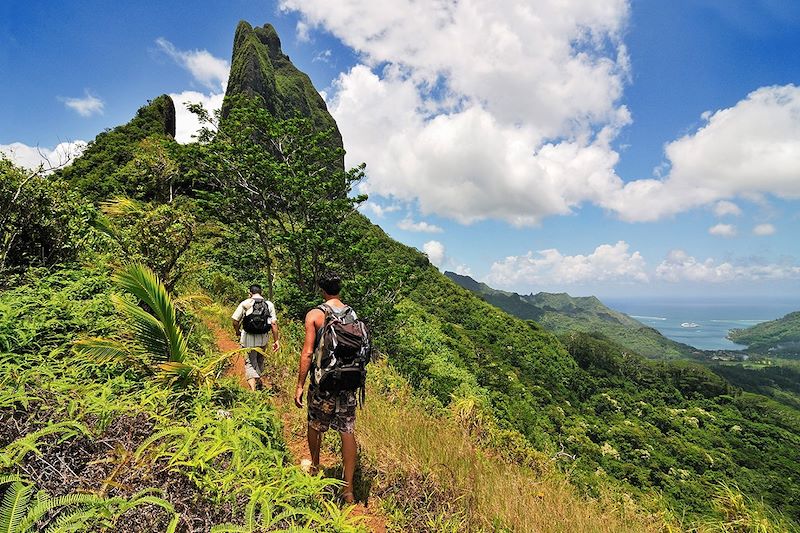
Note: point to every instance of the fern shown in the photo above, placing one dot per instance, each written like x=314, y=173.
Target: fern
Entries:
x=15, y=452
x=46, y=504
x=14, y=506
x=173, y=524
x=20, y=512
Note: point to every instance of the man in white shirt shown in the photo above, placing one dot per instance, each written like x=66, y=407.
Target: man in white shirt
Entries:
x=252, y=322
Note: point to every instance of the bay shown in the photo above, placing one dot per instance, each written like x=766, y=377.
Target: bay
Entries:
x=713, y=317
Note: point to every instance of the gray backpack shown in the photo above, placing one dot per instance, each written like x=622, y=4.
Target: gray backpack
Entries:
x=342, y=352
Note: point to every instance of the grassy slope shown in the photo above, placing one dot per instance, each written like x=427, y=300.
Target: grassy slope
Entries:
x=429, y=472
x=781, y=336
x=624, y=417
x=561, y=313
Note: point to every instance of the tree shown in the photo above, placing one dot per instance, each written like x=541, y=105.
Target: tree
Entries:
x=42, y=221
x=158, y=235
x=286, y=181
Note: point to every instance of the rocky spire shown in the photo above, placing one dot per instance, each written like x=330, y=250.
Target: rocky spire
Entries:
x=259, y=67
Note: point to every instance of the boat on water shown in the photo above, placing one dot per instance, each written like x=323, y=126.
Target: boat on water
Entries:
x=690, y=325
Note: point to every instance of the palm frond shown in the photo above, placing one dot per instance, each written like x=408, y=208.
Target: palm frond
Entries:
x=120, y=206
x=186, y=301
x=145, y=285
x=102, y=350
x=148, y=332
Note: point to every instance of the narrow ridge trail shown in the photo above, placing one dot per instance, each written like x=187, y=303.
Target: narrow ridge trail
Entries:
x=293, y=433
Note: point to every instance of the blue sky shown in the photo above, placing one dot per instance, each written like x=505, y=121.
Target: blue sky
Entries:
x=614, y=148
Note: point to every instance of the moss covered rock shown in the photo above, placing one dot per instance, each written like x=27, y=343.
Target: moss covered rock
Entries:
x=260, y=68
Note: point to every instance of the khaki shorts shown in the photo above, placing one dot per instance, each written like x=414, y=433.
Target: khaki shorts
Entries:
x=336, y=411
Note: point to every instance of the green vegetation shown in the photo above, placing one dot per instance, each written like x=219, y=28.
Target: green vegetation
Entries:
x=209, y=451
x=779, y=337
x=42, y=220
x=111, y=383
x=665, y=430
x=779, y=379
x=561, y=313
x=284, y=180
x=130, y=160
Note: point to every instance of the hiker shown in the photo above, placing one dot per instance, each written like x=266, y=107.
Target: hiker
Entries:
x=333, y=329
x=252, y=322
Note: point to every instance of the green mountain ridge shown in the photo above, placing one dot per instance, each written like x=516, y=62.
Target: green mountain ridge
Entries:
x=776, y=337
x=98, y=172
x=562, y=313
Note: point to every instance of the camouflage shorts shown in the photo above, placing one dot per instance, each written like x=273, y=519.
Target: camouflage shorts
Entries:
x=337, y=411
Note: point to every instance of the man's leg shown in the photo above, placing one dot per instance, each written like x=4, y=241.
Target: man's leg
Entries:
x=314, y=444
x=349, y=460
x=252, y=371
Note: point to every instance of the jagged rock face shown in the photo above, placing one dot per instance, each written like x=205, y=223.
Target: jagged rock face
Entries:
x=161, y=111
x=259, y=67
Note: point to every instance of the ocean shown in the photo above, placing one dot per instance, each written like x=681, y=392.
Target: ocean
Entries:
x=714, y=317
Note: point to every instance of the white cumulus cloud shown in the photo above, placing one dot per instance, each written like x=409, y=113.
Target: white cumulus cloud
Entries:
x=207, y=69
x=507, y=109
x=723, y=230
x=303, y=32
x=481, y=109
x=377, y=209
x=32, y=157
x=408, y=224
x=679, y=266
x=186, y=122
x=763, y=230
x=86, y=107
x=435, y=252
x=726, y=208
x=747, y=150
x=549, y=268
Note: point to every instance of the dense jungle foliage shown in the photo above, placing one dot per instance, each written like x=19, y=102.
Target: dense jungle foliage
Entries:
x=776, y=337
x=117, y=414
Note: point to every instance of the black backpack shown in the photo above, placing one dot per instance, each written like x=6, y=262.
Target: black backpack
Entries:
x=258, y=320
x=342, y=353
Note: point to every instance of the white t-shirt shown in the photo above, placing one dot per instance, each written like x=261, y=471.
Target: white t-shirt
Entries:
x=250, y=340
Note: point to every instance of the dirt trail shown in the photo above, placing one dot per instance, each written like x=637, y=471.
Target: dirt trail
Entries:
x=294, y=435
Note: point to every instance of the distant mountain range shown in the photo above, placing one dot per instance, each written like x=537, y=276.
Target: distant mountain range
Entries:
x=560, y=313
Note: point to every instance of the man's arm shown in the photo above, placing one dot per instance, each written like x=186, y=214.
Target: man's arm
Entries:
x=237, y=319
x=276, y=342
x=305, y=355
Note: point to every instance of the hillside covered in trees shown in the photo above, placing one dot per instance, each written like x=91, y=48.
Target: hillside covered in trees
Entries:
x=776, y=337
x=561, y=313
x=119, y=271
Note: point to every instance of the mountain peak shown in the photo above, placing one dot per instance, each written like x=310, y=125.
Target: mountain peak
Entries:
x=260, y=68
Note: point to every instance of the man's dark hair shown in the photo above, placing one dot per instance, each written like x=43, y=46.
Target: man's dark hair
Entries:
x=255, y=289
x=330, y=282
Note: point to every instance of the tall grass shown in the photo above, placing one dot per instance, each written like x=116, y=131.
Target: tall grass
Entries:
x=430, y=474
